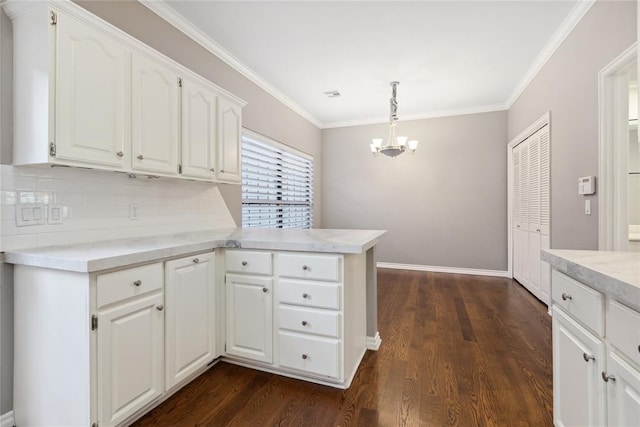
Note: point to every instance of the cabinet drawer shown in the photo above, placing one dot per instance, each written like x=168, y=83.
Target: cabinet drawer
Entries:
x=584, y=303
x=623, y=329
x=306, y=266
x=309, y=320
x=315, y=355
x=123, y=284
x=322, y=295
x=249, y=262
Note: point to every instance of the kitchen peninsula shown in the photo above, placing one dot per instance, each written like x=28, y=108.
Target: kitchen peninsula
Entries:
x=116, y=327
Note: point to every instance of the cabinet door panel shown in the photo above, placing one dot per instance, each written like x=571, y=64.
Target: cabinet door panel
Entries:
x=155, y=97
x=623, y=394
x=199, y=118
x=578, y=390
x=229, y=146
x=249, y=317
x=93, y=116
x=130, y=358
x=190, y=322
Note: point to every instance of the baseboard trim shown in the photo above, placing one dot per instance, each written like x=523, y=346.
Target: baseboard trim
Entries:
x=373, y=343
x=7, y=419
x=436, y=269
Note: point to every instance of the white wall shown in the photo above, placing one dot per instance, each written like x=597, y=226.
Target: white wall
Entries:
x=568, y=87
x=445, y=206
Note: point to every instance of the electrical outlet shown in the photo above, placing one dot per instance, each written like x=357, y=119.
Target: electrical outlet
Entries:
x=134, y=212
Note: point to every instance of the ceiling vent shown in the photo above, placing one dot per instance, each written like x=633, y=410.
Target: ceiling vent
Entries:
x=332, y=93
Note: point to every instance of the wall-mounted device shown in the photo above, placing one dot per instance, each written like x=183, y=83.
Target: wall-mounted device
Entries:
x=587, y=185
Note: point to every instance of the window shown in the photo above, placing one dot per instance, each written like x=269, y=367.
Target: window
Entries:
x=277, y=184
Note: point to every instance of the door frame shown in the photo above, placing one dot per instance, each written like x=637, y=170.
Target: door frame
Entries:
x=613, y=124
x=544, y=120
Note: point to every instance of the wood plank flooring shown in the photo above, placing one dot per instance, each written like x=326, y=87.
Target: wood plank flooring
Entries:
x=456, y=350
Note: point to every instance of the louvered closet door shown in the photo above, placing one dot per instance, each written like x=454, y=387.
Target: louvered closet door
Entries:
x=524, y=209
x=515, y=200
x=545, y=214
x=533, y=249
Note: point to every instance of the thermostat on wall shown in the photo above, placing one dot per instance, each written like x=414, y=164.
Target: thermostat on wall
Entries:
x=587, y=185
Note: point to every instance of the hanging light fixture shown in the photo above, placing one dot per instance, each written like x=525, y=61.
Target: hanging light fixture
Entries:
x=395, y=144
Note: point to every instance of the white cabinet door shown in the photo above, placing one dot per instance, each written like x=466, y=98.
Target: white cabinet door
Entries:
x=249, y=316
x=190, y=321
x=155, y=101
x=229, y=145
x=199, y=135
x=578, y=361
x=130, y=357
x=623, y=392
x=92, y=98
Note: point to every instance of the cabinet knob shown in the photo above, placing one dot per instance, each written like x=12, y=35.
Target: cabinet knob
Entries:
x=244, y=263
x=305, y=267
x=120, y=154
x=265, y=290
x=196, y=260
x=140, y=157
x=222, y=170
x=305, y=357
x=588, y=357
x=305, y=296
x=538, y=230
x=517, y=226
x=607, y=377
x=212, y=170
x=304, y=323
x=566, y=297
x=137, y=283
x=160, y=307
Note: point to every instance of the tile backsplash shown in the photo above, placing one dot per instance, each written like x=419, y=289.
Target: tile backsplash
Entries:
x=95, y=205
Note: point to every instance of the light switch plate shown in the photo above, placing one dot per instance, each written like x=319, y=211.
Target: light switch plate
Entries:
x=54, y=214
x=28, y=214
x=134, y=212
x=587, y=207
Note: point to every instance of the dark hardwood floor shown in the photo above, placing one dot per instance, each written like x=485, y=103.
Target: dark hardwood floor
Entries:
x=456, y=350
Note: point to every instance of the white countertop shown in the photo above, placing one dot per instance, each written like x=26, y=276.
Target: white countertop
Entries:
x=90, y=257
x=616, y=274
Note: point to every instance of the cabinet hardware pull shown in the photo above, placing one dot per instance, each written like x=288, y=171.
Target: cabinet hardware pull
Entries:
x=588, y=357
x=244, y=263
x=305, y=267
x=566, y=297
x=304, y=323
x=304, y=356
x=137, y=283
x=606, y=377
x=196, y=260
x=212, y=170
x=265, y=290
x=120, y=154
x=305, y=296
x=140, y=157
x=160, y=307
x=639, y=349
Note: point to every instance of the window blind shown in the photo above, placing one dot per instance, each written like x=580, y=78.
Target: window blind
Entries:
x=277, y=185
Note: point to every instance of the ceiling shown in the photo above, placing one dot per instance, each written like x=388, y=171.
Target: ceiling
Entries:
x=451, y=57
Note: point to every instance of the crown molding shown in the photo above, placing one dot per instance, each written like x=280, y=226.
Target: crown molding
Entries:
x=567, y=26
x=169, y=14
x=420, y=116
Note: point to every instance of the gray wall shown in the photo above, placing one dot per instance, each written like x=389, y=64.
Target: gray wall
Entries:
x=444, y=206
x=263, y=113
x=568, y=87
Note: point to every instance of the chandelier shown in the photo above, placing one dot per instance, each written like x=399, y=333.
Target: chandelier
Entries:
x=395, y=145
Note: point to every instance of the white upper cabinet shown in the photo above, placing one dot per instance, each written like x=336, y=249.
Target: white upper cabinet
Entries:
x=155, y=100
x=199, y=116
x=92, y=97
x=230, y=123
x=88, y=95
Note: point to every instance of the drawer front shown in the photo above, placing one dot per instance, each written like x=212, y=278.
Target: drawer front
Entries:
x=314, y=355
x=307, y=266
x=582, y=302
x=309, y=320
x=623, y=329
x=123, y=284
x=309, y=294
x=249, y=262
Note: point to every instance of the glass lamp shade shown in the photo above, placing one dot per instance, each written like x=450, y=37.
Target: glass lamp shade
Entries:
x=402, y=141
x=413, y=144
x=376, y=142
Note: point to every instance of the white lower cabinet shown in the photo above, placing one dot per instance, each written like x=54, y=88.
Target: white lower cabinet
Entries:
x=596, y=357
x=130, y=357
x=190, y=316
x=249, y=314
x=106, y=346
